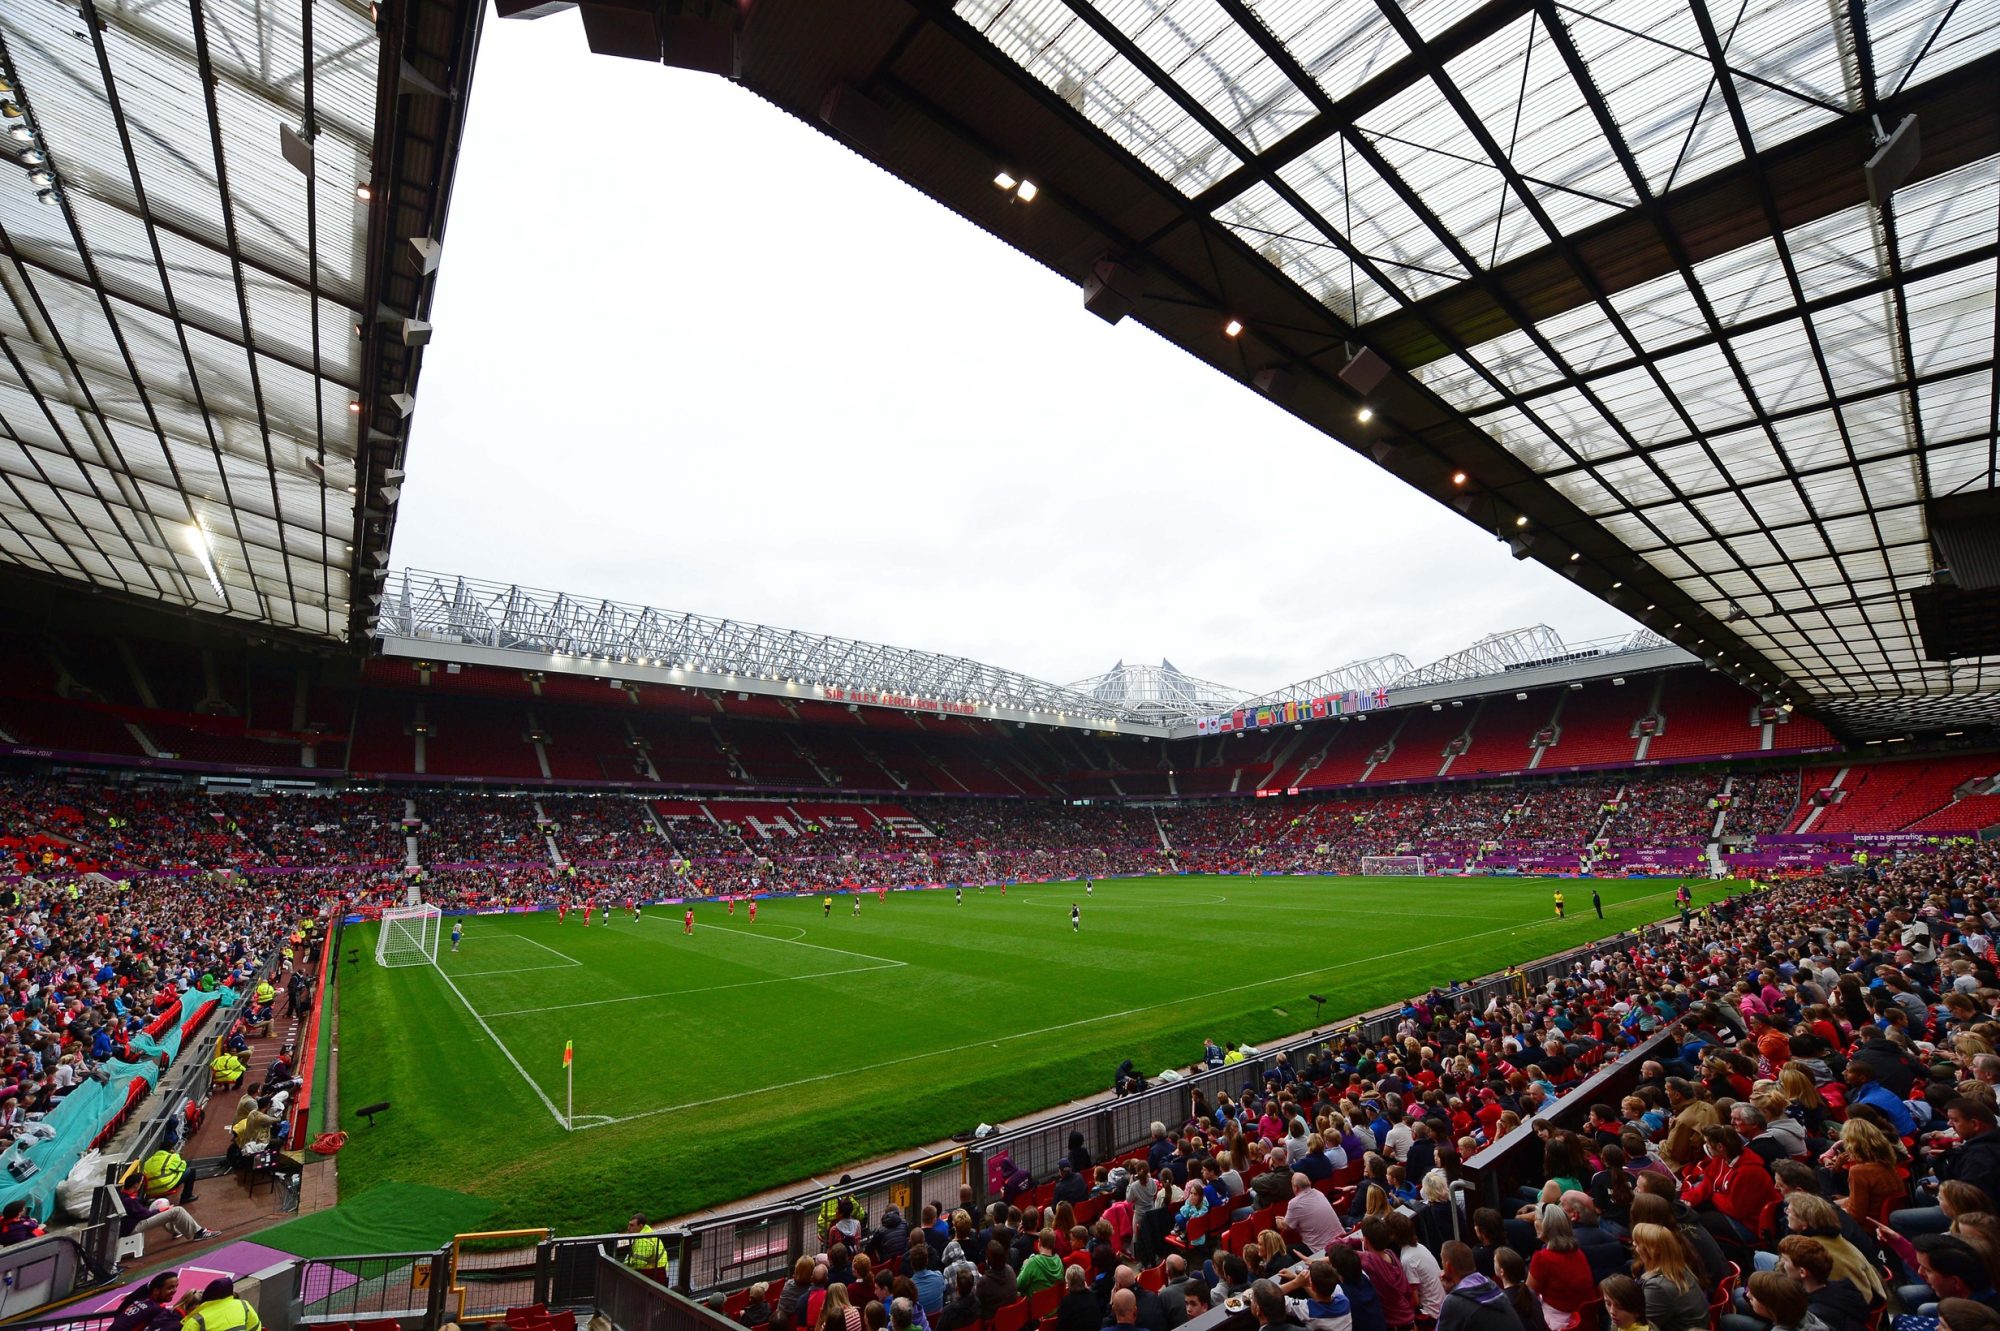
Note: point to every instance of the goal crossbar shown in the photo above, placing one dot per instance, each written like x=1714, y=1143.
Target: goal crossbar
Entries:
x=1392, y=866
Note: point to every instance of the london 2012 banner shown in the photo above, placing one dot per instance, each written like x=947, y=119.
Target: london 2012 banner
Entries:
x=1293, y=711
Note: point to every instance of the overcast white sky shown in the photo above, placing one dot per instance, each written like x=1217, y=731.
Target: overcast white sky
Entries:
x=694, y=353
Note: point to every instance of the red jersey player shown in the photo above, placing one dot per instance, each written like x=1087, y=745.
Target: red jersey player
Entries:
x=687, y=921
x=753, y=910
x=732, y=903
x=562, y=911
x=882, y=892
x=588, y=907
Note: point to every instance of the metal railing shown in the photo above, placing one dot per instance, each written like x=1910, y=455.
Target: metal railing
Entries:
x=1516, y=1158
x=731, y=1251
x=632, y=1302
x=368, y=1286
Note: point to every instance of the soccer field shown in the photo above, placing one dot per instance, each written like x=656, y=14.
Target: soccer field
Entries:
x=744, y=1057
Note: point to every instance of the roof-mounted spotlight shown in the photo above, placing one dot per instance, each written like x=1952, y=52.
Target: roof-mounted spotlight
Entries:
x=1365, y=415
x=1458, y=478
x=1005, y=181
x=1234, y=328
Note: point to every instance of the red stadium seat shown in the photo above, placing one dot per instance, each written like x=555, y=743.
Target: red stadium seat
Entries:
x=1153, y=1278
x=1011, y=1317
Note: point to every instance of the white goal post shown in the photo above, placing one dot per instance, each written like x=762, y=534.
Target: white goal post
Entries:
x=409, y=936
x=1393, y=866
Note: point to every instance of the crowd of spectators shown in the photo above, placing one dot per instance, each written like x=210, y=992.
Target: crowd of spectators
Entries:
x=89, y=962
x=1811, y=1145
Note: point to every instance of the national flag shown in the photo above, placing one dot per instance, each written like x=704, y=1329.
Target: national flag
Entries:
x=569, y=1052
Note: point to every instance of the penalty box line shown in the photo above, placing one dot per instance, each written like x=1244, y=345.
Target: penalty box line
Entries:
x=703, y=989
x=1085, y=1021
x=499, y=1044
x=566, y=962
x=763, y=937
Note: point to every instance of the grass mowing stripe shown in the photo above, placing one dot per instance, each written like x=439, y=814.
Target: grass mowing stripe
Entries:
x=1083, y=1021
x=680, y=993
x=1160, y=963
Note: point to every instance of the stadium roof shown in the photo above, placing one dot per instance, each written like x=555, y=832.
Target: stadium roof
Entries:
x=205, y=215
x=1606, y=277
x=435, y=616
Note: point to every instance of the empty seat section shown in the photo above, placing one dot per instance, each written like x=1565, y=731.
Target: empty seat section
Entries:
x=1705, y=715
x=1419, y=743
x=475, y=738
x=1500, y=735
x=1596, y=725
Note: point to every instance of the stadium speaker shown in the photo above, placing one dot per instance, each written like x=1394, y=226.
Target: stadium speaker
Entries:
x=1364, y=371
x=1957, y=622
x=1111, y=290
x=429, y=252
x=1965, y=530
x=416, y=333
x=296, y=148
x=1277, y=383
x=1895, y=159
x=689, y=41
x=859, y=120
x=1521, y=546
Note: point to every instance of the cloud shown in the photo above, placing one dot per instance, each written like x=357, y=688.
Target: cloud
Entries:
x=691, y=352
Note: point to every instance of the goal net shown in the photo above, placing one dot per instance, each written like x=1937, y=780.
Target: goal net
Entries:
x=409, y=936
x=1393, y=866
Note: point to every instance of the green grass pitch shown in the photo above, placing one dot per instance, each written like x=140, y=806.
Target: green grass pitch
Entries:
x=746, y=1057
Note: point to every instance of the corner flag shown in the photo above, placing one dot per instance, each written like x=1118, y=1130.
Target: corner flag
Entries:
x=569, y=1052
x=569, y=1076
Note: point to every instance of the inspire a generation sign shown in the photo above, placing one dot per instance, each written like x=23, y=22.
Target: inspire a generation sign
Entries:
x=1293, y=712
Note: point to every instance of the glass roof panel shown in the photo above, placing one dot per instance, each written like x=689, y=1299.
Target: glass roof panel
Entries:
x=1050, y=41
x=133, y=408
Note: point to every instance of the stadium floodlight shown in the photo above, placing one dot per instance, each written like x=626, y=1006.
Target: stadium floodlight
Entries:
x=1027, y=191
x=1234, y=328
x=198, y=543
x=1458, y=478
x=1365, y=415
x=1520, y=519
x=1003, y=180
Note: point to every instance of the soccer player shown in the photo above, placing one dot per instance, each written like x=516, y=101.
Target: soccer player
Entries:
x=1560, y=903
x=457, y=932
x=562, y=910
x=753, y=910
x=1075, y=919
x=731, y=899
x=633, y=902
x=856, y=912
x=588, y=907
x=827, y=913
x=1090, y=887
x=959, y=894
x=687, y=922
x=1597, y=903
x=881, y=893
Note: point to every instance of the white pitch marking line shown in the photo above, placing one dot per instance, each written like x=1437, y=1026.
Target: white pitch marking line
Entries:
x=566, y=962
x=704, y=989
x=546, y=948
x=1067, y=1025
x=534, y=1086
x=818, y=947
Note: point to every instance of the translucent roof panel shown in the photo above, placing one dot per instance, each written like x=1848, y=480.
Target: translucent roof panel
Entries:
x=1583, y=230
x=178, y=306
